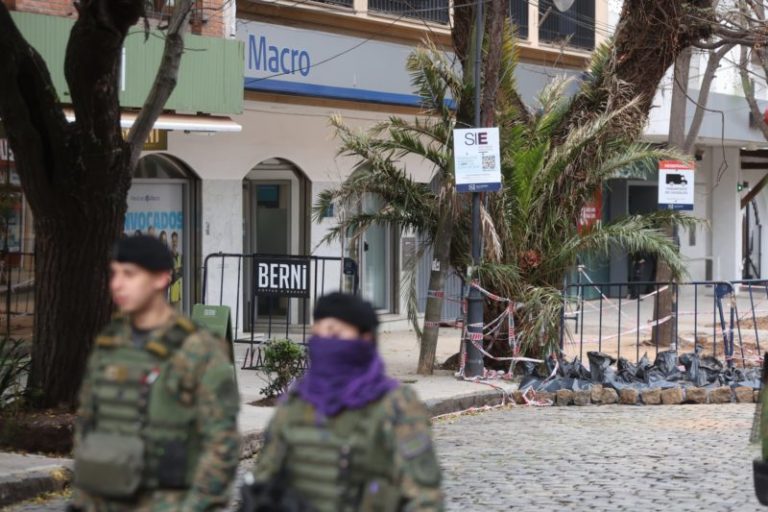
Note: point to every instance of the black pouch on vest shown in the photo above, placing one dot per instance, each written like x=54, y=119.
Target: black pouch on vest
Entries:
x=761, y=481
x=273, y=495
x=172, y=466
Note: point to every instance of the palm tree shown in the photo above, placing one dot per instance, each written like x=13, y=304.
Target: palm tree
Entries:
x=529, y=228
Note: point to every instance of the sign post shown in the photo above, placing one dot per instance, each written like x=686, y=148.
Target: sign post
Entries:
x=676, y=185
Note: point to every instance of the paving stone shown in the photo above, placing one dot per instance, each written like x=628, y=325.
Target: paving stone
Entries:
x=564, y=397
x=744, y=395
x=597, y=393
x=628, y=396
x=721, y=395
x=545, y=397
x=560, y=458
x=672, y=396
x=651, y=396
x=582, y=397
x=696, y=395
x=609, y=396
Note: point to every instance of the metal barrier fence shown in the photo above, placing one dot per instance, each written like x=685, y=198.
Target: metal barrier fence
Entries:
x=719, y=318
x=17, y=292
x=272, y=295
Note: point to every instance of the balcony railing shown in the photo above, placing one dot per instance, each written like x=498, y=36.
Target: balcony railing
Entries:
x=428, y=10
x=518, y=12
x=341, y=3
x=576, y=26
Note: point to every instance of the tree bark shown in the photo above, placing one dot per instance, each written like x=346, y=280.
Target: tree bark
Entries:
x=662, y=334
x=434, y=309
x=76, y=178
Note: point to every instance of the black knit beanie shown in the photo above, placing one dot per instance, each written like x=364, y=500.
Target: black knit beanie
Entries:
x=145, y=251
x=347, y=308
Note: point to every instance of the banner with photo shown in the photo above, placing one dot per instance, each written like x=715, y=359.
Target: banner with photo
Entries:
x=158, y=210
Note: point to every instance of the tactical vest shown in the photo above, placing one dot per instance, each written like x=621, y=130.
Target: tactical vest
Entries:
x=140, y=404
x=344, y=464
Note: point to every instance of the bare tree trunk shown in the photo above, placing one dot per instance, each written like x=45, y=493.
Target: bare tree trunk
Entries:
x=663, y=332
x=434, y=309
x=76, y=177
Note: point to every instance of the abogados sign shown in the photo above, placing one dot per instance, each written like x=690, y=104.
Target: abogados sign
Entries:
x=281, y=277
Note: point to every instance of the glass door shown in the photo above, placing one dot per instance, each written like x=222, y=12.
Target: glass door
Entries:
x=269, y=230
x=376, y=256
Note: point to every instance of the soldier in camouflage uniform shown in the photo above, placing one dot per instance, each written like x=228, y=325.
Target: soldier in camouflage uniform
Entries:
x=347, y=437
x=156, y=427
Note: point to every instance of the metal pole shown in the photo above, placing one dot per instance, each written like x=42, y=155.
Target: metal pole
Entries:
x=474, y=365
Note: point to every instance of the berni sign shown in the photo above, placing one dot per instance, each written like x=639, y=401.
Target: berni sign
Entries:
x=281, y=277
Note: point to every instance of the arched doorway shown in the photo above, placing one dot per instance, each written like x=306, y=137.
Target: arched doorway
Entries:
x=162, y=202
x=276, y=207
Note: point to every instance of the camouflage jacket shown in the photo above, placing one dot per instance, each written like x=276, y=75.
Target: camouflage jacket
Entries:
x=201, y=371
x=378, y=458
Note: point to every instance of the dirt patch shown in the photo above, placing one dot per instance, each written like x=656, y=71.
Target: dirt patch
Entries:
x=264, y=402
x=748, y=323
x=47, y=432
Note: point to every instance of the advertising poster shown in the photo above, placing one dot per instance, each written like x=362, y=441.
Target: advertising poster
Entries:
x=158, y=210
x=10, y=200
x=676, y=185
x=477, y=159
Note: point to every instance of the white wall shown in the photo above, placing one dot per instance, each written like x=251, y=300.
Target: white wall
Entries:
x=697, y=253
x=726, y=214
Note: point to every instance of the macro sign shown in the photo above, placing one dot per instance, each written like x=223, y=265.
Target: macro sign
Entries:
x=477, y=159
x=676, y=185
x=281, y=277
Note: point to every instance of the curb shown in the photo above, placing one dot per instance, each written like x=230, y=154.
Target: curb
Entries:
x=27, y=485
x=252, y=440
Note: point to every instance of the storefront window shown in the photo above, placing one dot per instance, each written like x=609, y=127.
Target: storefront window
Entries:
x=159, y=203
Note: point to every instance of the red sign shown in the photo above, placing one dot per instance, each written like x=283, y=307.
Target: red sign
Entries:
x=591, y=212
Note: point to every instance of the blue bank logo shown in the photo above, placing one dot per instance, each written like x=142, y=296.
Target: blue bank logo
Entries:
x=263, y=56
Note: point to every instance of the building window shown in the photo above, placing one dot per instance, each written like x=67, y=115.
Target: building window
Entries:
x=342, y=3
x=575, y=27
x=428, y=10
x=518, y=12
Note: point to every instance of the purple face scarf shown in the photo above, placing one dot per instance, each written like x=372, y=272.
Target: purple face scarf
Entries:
x=343, y=374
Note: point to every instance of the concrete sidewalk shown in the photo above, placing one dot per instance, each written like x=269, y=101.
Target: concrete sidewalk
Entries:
x=441, y=392
x=23, y=477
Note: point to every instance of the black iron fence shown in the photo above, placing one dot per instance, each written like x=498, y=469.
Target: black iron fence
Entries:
x=725, y=319
x=17, y=303
x=428, y=10
x=272, y=296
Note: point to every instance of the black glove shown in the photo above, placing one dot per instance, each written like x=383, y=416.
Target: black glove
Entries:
x=761, y=481
x=74, y=508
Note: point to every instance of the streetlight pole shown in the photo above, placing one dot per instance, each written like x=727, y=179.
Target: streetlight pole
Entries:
x=474, y=364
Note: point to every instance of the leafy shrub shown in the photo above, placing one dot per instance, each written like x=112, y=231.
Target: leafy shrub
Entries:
x=283, y=363
x=14, y=364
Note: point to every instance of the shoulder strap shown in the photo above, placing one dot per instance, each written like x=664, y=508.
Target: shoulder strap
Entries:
x=173, y=338
x=109, y=336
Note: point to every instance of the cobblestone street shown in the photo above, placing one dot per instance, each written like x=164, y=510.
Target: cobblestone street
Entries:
x=666, y=458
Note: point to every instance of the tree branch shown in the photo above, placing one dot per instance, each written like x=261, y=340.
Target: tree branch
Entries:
x=706, y=85
x=91, y=67
x=165, y=80
x=35, y=124
x=749, y=92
